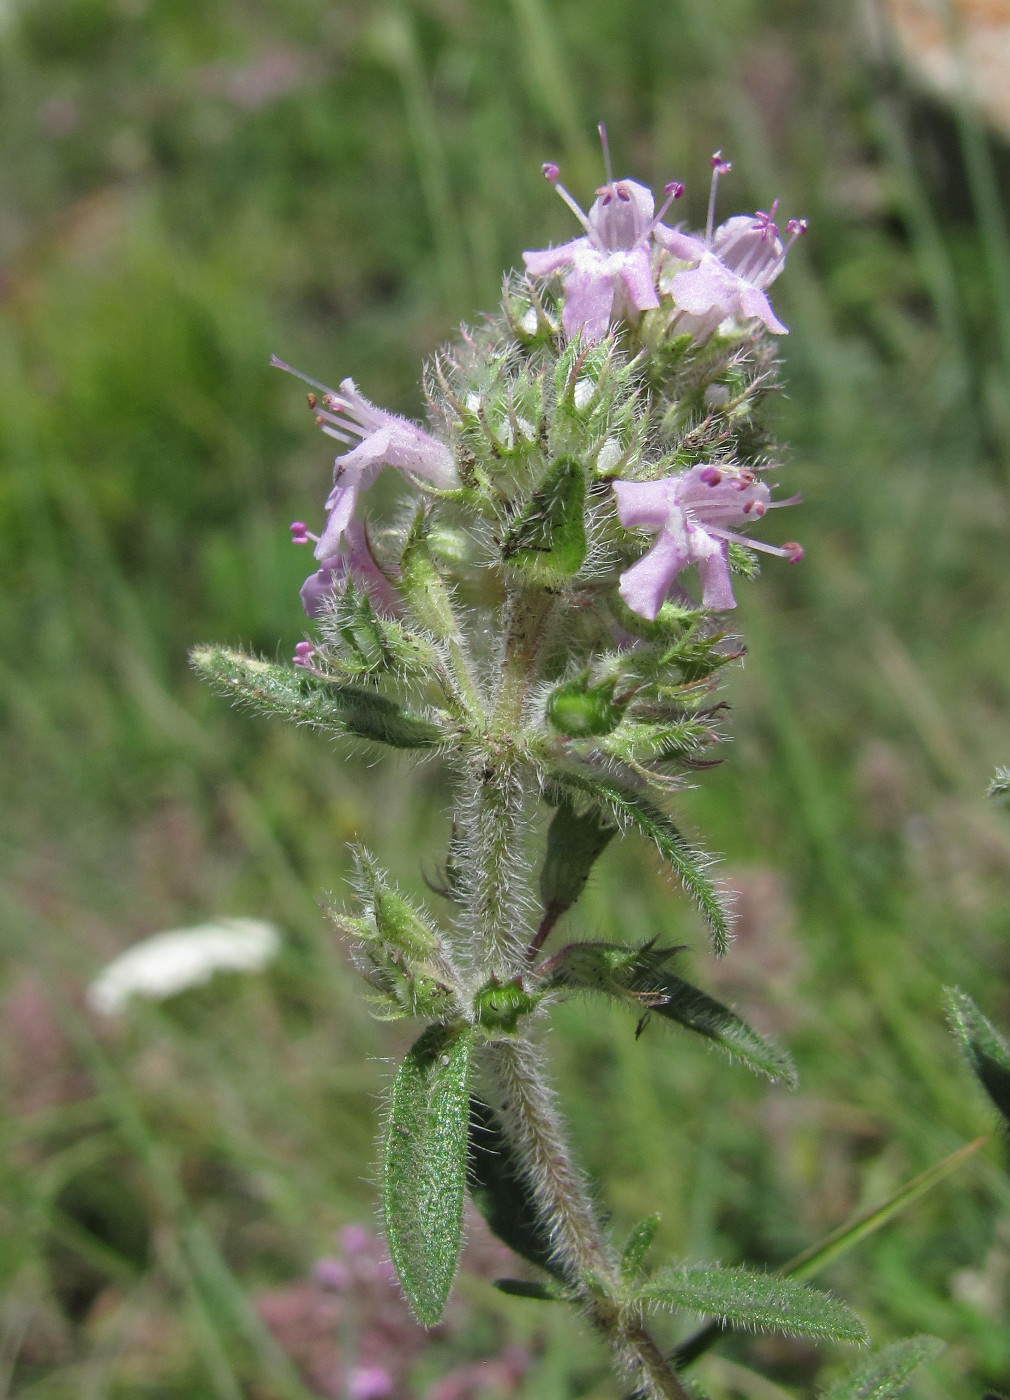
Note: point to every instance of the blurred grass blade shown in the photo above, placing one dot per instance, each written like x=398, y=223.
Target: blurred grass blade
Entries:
x=811, y=1261
x=847, y=1236
x=986, y=1050
x=753, y=1300
x=887, y=1373
x=425, y=1166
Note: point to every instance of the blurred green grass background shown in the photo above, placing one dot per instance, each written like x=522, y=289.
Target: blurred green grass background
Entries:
x=190, y=188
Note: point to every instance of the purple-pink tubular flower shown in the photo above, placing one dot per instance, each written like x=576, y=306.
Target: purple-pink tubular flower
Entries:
x=351, y=559
x=374, y=439
x=692, y=514
x=733, y=264
x=610, y=269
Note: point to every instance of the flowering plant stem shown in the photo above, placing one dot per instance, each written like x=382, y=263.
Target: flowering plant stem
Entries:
x=528, y=616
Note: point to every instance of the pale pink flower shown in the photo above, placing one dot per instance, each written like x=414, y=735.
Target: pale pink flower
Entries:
x=609, y=271
x=733, y=264
x=691, y=514
x=369, y=1383
x=376, y=439
x=352, y=558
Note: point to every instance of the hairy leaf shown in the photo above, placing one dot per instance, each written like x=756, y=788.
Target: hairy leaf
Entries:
x=523, y=1288
x=643, y=977
x=425, y=1166
x=621, y=802
x=574, y=842
x=988, y=1053
x=886, y=1373
x=550, y=533
x=757, y=1301
x=271, y=689
x=637, y=1247
x=500, y=1192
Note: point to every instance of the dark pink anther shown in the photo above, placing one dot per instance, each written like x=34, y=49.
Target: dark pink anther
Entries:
x=720, y=166
x=673, y=190
x=551, y=171
x=796, y=227
x=303, y=652
x=793, y=551
x=299, y=532
x=711, y=476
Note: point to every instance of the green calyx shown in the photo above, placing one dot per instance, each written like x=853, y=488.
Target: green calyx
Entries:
x=498, y=1006
x=547, y=539
x=579, y=710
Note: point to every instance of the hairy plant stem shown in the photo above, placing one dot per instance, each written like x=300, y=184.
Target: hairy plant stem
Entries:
x=529, y=1110
x=533, y=1126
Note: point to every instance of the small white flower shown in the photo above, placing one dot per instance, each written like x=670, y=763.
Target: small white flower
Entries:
x=167, y=963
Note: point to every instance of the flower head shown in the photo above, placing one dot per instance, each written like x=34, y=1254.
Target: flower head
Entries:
x=733, y=264
x=375, y=439
x=692, y=513
x=610, y=269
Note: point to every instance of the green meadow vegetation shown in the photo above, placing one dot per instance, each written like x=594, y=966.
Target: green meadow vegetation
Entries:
x=190, y=188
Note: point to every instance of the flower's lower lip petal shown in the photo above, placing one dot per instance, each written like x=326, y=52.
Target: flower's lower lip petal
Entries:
x=541, y=262
x=646, y=584
x=636, y=274
x=589, y=299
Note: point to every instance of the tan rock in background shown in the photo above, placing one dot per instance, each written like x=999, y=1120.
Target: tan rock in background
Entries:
x=957, y=47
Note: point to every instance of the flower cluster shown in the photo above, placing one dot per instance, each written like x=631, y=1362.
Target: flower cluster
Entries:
x=709, y=291
x=723, y=276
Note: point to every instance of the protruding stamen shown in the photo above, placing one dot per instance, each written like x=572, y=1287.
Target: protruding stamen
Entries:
x=551, y=173
x=606, y=155
x=793, y=551
x=673, y=191
x=303, y=654
x=795, y=229
x=719, y=167
x=300, y=533
x=288, y=369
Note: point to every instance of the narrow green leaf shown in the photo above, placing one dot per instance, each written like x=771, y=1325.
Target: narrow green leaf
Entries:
x=549, y=534
x=621, y=802
x=886, y=1374
x=637, y=1247
x=523, y=1288
x=271, y=689
x=757, y=1301
x=988, y=1053
x=575, y=840
x=642, y=976
x=425, y=1166
x=500, y=1193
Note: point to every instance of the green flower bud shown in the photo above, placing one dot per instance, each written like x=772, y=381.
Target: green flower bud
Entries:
x=579, y=710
